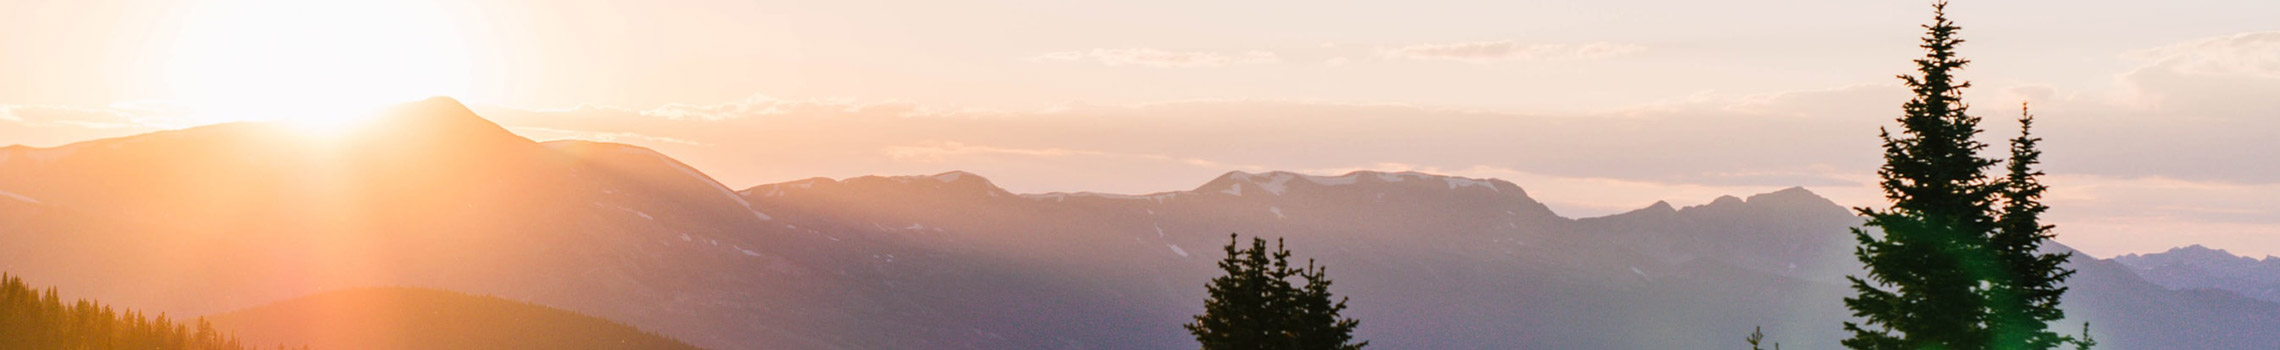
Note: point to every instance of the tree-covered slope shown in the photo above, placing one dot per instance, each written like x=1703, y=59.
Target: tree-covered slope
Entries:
x=31, y=318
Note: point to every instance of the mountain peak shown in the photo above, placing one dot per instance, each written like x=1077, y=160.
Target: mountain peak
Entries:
x=2197, y=250
x=1660, y=206
x=954, y=176
x=1793, y=197
x=434, y=119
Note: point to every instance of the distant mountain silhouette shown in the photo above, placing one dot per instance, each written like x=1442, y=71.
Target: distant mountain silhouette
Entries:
x=1431, y=261
x=225, y=217
x=2198, y=267
x=414, y=318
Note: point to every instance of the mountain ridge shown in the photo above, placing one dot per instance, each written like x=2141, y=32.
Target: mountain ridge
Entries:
x=949, y=260
x=2197, y=267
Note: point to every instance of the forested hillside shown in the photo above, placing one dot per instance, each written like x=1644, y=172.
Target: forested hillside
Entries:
x=39, y=319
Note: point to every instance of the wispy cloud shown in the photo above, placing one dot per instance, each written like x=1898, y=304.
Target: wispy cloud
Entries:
x=1497, y=51
x=2252, y=53
x=1146, y=57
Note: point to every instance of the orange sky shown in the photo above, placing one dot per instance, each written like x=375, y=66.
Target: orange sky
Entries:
x=2159, y=114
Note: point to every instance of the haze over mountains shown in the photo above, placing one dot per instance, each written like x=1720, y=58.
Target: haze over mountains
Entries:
x=2198, y=267
x=219, y=218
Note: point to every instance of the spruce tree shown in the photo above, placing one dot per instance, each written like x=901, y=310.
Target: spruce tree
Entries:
x=1254, y=305
x=1959, y=260
x=1922, y=289
x=2025, y=300
x=1316, y=318
x=1757, y=339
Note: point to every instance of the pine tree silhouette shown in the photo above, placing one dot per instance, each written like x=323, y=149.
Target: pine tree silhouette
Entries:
x=1757, y=339
x=2024, y=300
x=37, y=319
x=1959, y=263
x=1254, y=306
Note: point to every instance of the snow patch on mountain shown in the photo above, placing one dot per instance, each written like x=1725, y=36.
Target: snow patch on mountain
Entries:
x=1274, y=183
x=1455, y=182
x=949, y=177
x=1348, y=179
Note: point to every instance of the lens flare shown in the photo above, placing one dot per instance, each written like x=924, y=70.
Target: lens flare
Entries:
x=321, y=65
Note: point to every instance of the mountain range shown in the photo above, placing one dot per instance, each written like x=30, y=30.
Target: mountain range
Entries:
x=212, y=219
x=2198, y=267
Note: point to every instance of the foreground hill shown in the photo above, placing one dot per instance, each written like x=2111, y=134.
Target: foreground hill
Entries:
x=226, y=217
x=413, y=318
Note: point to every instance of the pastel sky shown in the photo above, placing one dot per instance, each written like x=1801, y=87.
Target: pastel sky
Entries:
x=2161, y=116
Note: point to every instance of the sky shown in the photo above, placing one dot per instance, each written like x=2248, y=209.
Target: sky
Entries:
x=2159, y=116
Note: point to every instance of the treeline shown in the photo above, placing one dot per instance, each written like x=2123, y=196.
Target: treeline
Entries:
x=40, y=319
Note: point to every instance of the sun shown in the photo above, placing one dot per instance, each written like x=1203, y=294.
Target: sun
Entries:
x=321, y=64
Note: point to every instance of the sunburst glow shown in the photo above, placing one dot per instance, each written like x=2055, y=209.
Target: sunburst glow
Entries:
x=320, y=64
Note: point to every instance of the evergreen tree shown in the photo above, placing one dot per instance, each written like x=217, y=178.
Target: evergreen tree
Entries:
x=37, y=319
x=1757, y=339
x=1254, y=305
x=1317, y=321
x=2025, y=301
x=2085, y=342
x=1928, y=262
x=1958, y=263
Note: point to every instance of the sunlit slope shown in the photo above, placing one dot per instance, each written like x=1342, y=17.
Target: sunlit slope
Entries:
x=427, y=319
x=223, y=217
